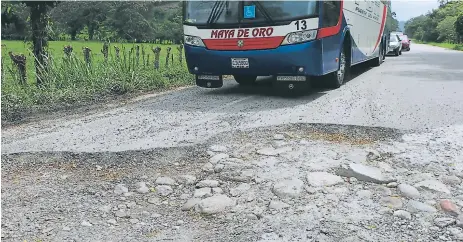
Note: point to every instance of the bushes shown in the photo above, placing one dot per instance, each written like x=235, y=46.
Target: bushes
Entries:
x=71, y=81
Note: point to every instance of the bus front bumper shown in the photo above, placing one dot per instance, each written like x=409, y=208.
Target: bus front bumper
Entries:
x=298, y=59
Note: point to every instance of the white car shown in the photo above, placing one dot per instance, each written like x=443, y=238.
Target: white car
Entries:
x=395, y=45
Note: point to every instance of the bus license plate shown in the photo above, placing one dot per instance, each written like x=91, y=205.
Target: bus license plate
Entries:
x=240, y=63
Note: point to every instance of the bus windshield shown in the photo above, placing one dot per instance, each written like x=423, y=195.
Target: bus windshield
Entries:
x=232, y=12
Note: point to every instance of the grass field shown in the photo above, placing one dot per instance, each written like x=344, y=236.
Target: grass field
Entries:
x=71, y=82
x=443, y=45
x=56, y=50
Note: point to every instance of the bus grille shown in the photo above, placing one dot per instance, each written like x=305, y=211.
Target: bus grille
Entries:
x=247, y=44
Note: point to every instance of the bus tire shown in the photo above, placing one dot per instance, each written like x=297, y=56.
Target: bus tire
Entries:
x=378, y=60
x=337, y=78
x=245, y=80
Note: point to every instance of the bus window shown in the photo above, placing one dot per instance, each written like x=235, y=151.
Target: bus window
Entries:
x=331, y=11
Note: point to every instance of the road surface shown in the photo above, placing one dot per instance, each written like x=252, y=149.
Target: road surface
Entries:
x=273, y=180
x=418, y=90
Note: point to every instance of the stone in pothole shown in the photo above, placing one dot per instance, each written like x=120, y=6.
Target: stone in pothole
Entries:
x=241, y=189
x=278, y=137
x=208, y=167
x=269, y=151
x=392, y=202
x=319, y=179
x=288, y=188
x=215, y=204
x=451, y=180
x=208, y=183
x=403, y=214
x=165, y=181
x=416, y=206
x=154, y=200
x=190, y=204
x=203, y=192
x=277, y=205
x=164, y=190
x=120, y=189
x=443, y=222
x=218, y=148
x=187, y=179
x=121, y=213
x=216, y=158
x=364, y=173
x=321, y=164
x=86, y=223
x=142, y=188
x=449, y=207
x=408, y=191
x=433, y=185
x=217, y=190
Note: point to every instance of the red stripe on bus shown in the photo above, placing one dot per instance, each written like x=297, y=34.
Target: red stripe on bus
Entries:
x=248, y=44
x=382, y=27
x=330, y=31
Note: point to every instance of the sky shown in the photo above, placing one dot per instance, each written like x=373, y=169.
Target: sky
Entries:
x=406, y=9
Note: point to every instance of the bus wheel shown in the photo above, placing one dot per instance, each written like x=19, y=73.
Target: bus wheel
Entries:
x=245, y=80
x=377, y=61
x=337, y=78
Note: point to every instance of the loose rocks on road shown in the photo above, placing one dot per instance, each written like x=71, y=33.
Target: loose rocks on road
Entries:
x=397, y=188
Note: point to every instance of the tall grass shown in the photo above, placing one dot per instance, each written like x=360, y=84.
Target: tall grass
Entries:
x=70, y=81
x=443, y=45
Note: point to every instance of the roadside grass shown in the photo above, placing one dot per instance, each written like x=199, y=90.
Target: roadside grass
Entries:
x=71, y=82
x=443, y=45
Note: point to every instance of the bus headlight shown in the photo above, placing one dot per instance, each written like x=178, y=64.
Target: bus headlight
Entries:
x=299, y=37
x=193, y=40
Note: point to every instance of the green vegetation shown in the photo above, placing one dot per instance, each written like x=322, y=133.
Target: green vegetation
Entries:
x=391, y=23
x=117, y=21
x=443, y=45
x=70, y=81
x=43, y=77
x=442, y=26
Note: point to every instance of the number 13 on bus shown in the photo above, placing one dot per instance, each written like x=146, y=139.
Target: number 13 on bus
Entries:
x=290, y=40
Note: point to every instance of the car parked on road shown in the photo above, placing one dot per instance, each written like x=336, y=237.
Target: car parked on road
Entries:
x=405, y=42
x=395, y=44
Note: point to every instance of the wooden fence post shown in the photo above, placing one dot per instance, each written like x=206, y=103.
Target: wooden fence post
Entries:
x=180, y=53
x=87, y=55
x=167, y=56
x=117, y=51
x=105, y=50
x=137, y=53
x=67, y=51
x=20, y=62
x=143, y=54
x=156, y=51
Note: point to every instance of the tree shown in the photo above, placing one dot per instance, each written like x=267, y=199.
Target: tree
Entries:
x=438, y=25
x=69, y=17
x=459, y=28
x=39, y=23
x=446, y=29
x=14, y=15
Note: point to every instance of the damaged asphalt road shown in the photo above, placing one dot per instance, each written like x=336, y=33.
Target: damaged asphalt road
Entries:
x=418, y=90
x=239, y=164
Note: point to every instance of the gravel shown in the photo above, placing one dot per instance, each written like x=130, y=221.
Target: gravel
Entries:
x=395, y=186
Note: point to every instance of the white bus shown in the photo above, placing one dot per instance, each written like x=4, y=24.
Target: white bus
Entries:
x=290, y=40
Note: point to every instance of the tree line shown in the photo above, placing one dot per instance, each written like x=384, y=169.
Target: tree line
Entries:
x=102, y=20
x=444, y=24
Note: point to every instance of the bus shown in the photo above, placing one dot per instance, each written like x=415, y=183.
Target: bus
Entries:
x=292, y=41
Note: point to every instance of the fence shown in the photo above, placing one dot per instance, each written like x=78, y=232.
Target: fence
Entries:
x=135, y=58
